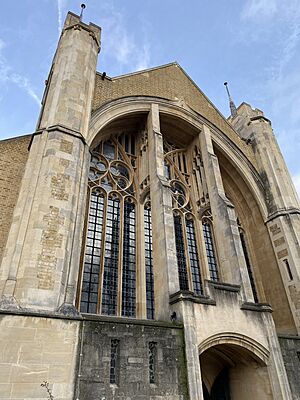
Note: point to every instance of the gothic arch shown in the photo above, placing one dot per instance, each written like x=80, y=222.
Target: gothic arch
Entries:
x=259, y=351
x=124, y=107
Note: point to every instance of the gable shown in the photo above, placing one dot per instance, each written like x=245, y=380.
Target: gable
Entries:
x=169, y=82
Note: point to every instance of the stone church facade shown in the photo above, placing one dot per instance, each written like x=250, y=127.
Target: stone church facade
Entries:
x=149, y=247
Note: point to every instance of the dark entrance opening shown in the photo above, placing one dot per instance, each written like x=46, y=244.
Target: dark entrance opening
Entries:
x=220, y=389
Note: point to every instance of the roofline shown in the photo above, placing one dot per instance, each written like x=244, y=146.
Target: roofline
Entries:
x=174, y=63
x=16, y=137
x=142, y=71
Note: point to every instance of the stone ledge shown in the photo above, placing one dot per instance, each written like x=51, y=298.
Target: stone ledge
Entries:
x=258, y=307
x=128, y=321
x=229, y=287
x=185, y=295
x=288, y=337
x=59, y=128
x=282, y=212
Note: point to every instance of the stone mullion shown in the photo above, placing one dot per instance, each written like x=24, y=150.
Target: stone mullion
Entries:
x=165, y=271
x=233, y=267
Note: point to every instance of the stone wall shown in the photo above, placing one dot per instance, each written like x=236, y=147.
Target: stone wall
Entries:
x=13, y=157
x=168, y=82
x=132, y=367
x=290, y=347
x=33, y=350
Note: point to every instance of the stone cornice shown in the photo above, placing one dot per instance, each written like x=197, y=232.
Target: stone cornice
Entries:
x=282, y=213
x=59, y=128
x=185, y=295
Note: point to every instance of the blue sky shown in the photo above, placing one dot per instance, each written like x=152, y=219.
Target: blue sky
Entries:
x=253, y=44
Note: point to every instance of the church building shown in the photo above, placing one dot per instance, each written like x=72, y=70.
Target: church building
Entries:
x=149, y=247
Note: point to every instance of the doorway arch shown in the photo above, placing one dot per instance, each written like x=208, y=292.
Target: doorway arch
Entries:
x=234, y=368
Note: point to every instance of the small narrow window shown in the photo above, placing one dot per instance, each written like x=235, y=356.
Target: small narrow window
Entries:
x=149, y=261
x=90, y=281
x=129, y=261
x=298, y=355
x=114, y=361
x=180, y=251
x=249, y=268
x=193, y=254
x=288, y=269
x=210, y=251
x=152, y=362
x=111, y=259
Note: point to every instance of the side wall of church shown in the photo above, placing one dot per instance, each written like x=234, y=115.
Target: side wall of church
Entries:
x=131, y=370
x=34, y=350
x=290, y=347
x=13, y=157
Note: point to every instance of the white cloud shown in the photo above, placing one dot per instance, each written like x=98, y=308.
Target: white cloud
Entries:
x=296, y=180
x=60, y=4
x=9, y=76
x=259, y=9
x=120, y=44
x=143, y=58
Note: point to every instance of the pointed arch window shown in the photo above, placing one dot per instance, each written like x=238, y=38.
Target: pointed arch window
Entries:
x=207, y=228
x=187, y=248
x=109, y=271
x=149, y=260
x=248, y=262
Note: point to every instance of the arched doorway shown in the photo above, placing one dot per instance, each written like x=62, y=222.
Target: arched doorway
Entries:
x=232, y=372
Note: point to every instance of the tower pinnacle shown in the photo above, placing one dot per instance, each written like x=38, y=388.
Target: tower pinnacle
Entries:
x=83, y=6
x=233, y=110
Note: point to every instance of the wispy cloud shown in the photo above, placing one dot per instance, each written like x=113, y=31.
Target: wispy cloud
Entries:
x=7, y=75
x=120, y=45
x=257, y=9
x=296, y=180
x=60, y=4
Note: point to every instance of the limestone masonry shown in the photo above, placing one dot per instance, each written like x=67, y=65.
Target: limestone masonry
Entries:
x=149, y=248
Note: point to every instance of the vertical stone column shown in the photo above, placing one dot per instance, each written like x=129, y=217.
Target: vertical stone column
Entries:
x=233, y=267
x=42, y=259
x=164, y=251
x=281, y=198
x=277, y=373
x=191, y=350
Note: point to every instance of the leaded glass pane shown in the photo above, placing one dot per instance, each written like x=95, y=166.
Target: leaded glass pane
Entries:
x=149, y=263
x=210, y=251
x=249, y=268
x=129, y=261
x=111, y=258
x=152, y=362
x=180, y=251
x=114, y=361
x=90, y=282
x=193, y=254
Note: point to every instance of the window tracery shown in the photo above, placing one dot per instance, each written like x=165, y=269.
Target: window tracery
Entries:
x=109, y=271
x=176, y=170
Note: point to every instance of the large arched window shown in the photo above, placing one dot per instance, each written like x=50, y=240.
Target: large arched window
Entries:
x=186, y=241
x=149, y=259
x=247, y=260
x=110, y=256
x=210, y=248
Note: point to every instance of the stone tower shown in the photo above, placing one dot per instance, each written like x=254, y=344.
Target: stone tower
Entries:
x=150, y=249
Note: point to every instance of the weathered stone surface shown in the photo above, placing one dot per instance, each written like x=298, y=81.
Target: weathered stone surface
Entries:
x=133, y=365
